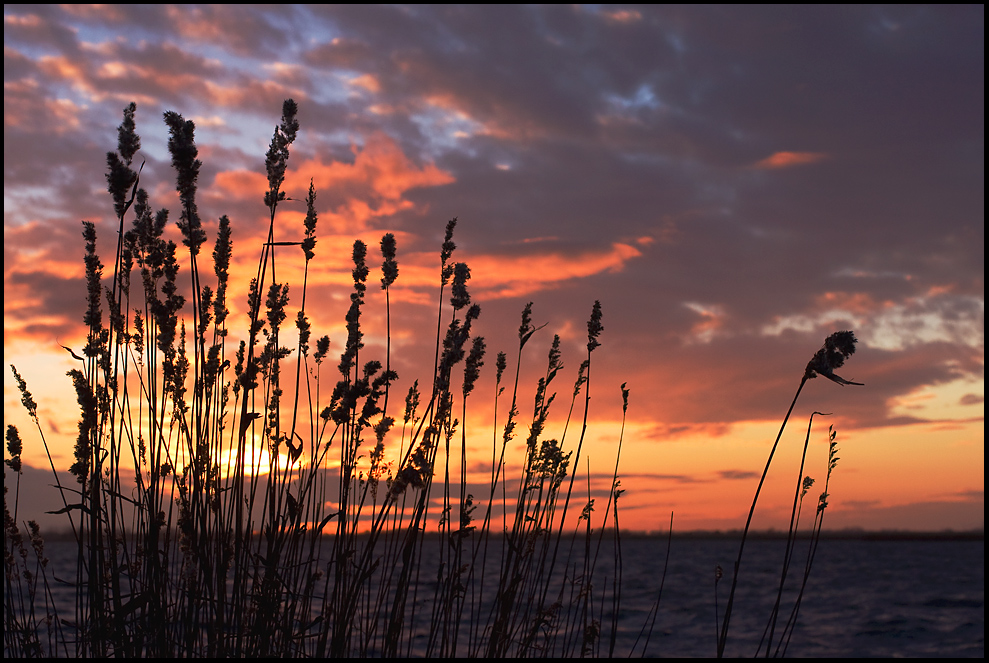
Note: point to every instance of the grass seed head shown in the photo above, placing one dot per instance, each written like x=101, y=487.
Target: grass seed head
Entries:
x=389, y=268
x=309, y=243
x=594, y=327
x=14, y=448
x=26, y=399
x=838, y=347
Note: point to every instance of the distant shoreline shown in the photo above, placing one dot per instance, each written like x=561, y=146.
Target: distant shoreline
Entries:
x=768, y=535
x=845, y=534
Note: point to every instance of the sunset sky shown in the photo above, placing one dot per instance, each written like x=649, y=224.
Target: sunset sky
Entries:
x=733, y=184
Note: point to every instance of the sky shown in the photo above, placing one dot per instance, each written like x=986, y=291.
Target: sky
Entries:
x=733, y=184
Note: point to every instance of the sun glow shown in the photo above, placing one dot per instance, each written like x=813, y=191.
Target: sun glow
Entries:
x=257, y=461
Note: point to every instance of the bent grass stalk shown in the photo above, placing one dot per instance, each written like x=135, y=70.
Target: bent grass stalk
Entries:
x=804, y=484
x=838, y=347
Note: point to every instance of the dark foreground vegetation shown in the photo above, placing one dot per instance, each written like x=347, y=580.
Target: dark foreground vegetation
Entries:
x=186, y=548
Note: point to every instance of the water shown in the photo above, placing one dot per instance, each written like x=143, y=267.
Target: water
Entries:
x=863, y=598
x=872, y=597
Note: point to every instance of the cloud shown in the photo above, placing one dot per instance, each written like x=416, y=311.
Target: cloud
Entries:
x=350, y=195
x=890, y=325
x=628, y=155
x=366, y=82
x=252, y=93
x=735, y=475
x=779, y=160
x=242, y=31
x=501, y=276
x=713, y=319
x=672, y=430
x=44, y=287
x=621, y=15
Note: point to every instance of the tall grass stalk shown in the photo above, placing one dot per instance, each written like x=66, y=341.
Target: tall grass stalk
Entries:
x=217, y=515
x=837, y=348
x=804, y=484
x=822, y=504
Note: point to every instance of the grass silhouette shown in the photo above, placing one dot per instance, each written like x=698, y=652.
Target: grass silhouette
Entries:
x=184, y=548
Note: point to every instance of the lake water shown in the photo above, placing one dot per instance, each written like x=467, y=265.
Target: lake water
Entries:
x=867, y=596
x=875, y=597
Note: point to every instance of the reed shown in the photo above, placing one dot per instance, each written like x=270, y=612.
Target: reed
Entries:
x=216, y=514
x=320, y=554
x=837, y=348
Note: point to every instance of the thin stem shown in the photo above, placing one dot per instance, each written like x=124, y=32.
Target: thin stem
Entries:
x=723, y=638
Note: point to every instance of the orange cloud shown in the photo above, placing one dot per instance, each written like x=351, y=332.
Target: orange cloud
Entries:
x=382, y=109
x=622, y=16
x=367, y=82
x=373, y=186
x=241, y=184
x=65, y=68
x=27, y=20
x=712, y=320
x=500, y=276
x=20, y=107
x=502, y=122
x=213, y=121
x=532, y=240
x=31, y=245
x=92, y=84
x=227, y=95
x=789, y=159
x=514, y=276
x=66, y=112
x=853, y=302
x=195, y=23
x=117, y=69
x=104, y=12
x=936, y=290
x=42, y=284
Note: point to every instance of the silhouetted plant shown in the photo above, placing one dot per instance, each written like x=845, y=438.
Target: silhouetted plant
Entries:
x=249, y=531
x=837, y=348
